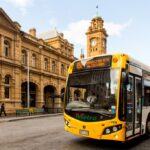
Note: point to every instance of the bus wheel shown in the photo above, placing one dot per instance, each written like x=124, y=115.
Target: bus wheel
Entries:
x=148, y=126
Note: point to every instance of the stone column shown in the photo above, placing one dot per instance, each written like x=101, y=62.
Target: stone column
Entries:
x=1, y=44
x=57, y=103
x=40, y=95
x=2, y=85
x=16, y=45
x=16, y=88
x=3, y=88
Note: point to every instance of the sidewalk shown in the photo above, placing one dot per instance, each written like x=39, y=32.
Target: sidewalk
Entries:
x=9, y=119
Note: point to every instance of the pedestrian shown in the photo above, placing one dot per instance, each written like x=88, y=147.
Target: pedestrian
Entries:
x=2, y=110
x=0, y=107
x=44, y=108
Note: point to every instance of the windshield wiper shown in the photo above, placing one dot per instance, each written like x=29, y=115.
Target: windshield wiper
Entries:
x=79, y=107
x=107, y=115
x=100, y=112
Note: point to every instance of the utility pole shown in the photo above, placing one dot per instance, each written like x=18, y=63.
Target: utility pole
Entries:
x=28, y=79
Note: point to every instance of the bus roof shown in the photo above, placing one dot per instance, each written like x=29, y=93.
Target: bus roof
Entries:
x=139, y=63
x=128, y=58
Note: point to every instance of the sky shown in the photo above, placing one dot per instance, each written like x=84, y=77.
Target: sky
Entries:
x=127, y=22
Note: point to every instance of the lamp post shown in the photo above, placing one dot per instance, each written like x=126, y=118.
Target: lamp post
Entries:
x=28, y=79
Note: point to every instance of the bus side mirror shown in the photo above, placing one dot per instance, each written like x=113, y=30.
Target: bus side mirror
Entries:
x=125, y=77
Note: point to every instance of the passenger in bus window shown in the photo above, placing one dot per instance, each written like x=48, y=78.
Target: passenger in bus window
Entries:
x=77, y=97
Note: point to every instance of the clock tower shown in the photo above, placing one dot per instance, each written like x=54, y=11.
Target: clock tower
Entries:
x=96, y=37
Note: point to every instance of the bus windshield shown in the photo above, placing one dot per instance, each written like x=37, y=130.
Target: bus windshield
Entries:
x=94, y=92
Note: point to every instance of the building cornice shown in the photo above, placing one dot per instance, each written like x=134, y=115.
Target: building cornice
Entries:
x=44, y=46
x=32, y=70
x=96, y=31
x=8, y=28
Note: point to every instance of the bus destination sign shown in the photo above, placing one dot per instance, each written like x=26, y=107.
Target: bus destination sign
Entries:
x=98, y=62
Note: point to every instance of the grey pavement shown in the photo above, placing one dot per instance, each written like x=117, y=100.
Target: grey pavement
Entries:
x=17, y=118
x=47, y=133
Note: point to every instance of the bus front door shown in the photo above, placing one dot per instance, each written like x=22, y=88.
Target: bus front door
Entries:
x=138, y=105
x=133, y=112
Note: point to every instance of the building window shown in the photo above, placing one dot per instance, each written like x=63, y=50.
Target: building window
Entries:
x=33, y=60
x=67, y=67
x=104, y=43
x=7, y=87
x=53, y=66
x=6, y=48
x=69, y=52
x=46, y=64
x=23, y=57
x=62, y=69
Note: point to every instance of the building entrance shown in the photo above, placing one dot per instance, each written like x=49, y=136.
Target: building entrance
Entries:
x=32, y=96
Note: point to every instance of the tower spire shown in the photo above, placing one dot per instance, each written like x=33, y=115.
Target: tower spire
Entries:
x=96, y=36
x=82, y=54
x=97, y=13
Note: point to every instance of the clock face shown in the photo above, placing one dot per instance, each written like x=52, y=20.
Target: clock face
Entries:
x=93, y=42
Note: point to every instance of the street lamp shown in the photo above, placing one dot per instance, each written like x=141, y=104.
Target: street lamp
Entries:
x=28, y=79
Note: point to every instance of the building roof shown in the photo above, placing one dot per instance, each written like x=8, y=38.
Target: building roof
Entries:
x=49, y=34
x=9, y=20
x=97, y=18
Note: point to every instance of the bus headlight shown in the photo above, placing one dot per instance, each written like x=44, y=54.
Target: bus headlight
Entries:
x=67, y=123
x=108, y=131
x=112, y=129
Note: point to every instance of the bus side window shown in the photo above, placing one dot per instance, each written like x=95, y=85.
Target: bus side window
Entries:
x=125, y=86
x=130, y=100
x=146, y=100
x=147, y=96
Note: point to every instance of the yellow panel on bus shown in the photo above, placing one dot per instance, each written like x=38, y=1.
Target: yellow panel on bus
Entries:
x=119, y=60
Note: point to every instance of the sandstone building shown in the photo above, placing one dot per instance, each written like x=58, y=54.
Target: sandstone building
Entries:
x=96, y=38
x=49, y=56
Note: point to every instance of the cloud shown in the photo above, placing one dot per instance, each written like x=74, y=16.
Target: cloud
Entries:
x=53, y=22
x=21, y=4
x=114, y=29
x=75, y=32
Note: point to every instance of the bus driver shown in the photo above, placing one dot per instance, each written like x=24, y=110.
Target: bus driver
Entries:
x=92, y=98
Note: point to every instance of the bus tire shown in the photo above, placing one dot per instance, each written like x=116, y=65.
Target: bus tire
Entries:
x=148, y=126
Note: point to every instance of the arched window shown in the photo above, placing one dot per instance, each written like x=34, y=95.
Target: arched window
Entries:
x=66, y=51
x=23, y=57
x=62, y=94
x=46, y=64
x=7, y=86
x=33, y=60
x=62, y=69
x=53, y=66
x=6, y=48
x=77, y=94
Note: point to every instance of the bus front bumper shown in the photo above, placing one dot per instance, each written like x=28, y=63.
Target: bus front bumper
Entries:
x=95, y=130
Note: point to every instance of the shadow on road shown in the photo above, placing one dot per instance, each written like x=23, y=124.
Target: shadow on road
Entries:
x=113, y=145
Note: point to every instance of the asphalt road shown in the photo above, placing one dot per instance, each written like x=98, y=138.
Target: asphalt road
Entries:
x=48, y=134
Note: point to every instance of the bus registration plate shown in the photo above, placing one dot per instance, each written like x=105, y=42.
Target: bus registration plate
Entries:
x=84, y=132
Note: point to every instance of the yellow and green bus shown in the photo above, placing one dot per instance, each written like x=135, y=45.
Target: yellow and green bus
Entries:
x=108, y=97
